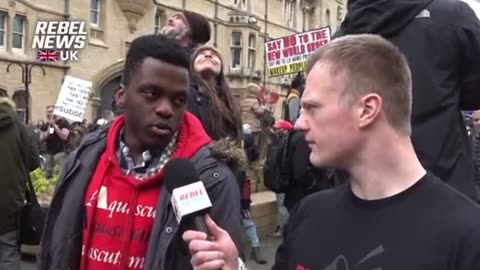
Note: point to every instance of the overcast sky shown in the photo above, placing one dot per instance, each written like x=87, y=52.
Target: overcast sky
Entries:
x=475, y=4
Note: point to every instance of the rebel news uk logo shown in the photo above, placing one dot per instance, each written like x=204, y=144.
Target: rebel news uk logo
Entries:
x=59, y=40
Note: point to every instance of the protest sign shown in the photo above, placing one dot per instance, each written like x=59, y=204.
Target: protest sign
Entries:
x=73, y=98
x=288, y=54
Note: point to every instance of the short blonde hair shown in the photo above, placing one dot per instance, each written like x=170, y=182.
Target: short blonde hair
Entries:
x=368, y=63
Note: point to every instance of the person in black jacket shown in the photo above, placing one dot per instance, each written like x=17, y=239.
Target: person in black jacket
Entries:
x=476, y=144
x=212, y=100
x=19, y=158
x=219, y=113
x=393, y=214
x=441, y=40
x=111, y=197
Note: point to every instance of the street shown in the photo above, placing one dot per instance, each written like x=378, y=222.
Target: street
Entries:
x=270, y=246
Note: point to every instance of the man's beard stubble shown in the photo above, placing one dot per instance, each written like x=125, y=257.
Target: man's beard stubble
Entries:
x=171, y=32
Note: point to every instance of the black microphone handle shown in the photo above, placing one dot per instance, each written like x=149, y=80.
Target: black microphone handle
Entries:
x=199, y=224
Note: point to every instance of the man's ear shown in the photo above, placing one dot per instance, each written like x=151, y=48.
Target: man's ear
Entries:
x=370, y=109
x=120, y=96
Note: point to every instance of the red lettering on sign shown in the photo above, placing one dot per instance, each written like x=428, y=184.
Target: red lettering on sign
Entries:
x=311, y=47
x=292, y=51
x=274, y=45
x=272, y=56
x=289, y=41
x=322, y=34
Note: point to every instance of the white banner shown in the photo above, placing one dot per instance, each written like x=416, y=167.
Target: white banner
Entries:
x=73, y=98
x=288, y=55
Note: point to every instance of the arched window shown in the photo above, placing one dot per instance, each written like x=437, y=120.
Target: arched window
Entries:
x=328, y=22
x=311, y=20
x=160, y=20
x=3, y=93
x=21, y=103
x=107, y=96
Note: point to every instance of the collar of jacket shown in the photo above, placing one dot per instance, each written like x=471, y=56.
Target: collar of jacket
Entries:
x=230, y=153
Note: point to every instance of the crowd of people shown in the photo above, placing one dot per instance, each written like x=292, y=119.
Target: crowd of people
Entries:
x=371, y=162
x=148, y=126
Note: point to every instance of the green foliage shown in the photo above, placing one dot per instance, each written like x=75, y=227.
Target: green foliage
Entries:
x=41, y=184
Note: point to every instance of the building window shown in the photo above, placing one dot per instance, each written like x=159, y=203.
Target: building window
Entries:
x=18, y=34
x=160, y=21
x=3, y=28
x=252, y=47
x=290, y=9
x=95, y=12
x=19, y=97
x=242, y=4
x=157, y=23
x=311, y=20
x=3, y=93
x=328, y=22
x=339, y=14
x=236, y=49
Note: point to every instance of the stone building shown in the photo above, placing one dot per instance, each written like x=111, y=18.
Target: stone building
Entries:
x=239, y=30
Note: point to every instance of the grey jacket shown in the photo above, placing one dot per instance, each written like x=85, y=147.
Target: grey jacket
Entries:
x=61, y=246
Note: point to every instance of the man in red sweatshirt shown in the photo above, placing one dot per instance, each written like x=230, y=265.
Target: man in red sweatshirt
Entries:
x=110, y=209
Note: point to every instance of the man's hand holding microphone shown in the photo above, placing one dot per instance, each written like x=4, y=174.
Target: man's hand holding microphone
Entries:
x=212, y=253
x=210, y=246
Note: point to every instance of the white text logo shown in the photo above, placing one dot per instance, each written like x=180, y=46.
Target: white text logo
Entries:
x=56, y=40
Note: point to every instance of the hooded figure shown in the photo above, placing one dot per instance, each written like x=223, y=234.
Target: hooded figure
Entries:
x=441, y=41
x=19, y=158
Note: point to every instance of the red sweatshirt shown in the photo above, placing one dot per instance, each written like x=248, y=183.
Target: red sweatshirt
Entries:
x=121, y=208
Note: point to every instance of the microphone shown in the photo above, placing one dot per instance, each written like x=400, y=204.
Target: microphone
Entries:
x=189, y=197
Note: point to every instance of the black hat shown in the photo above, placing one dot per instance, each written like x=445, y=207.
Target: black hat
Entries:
x=199, y=27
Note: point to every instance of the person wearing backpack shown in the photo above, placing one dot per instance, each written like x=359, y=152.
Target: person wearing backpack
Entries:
x=277, y=137
x=288, y=170
x=304, y=178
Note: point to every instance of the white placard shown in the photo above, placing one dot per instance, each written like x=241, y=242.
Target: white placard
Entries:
x=289, y=54
x=73, y=98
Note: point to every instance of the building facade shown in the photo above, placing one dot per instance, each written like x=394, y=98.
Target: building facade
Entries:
x=239, y=30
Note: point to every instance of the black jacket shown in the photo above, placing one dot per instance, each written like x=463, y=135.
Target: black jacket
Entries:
x=441, y=41
x=61, y=246
x=19, y=157
x=476, y=156
x=199, y=105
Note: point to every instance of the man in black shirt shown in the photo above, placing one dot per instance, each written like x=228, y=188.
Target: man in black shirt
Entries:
x=441, y=41
x=393, y=214
x=55, y=134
